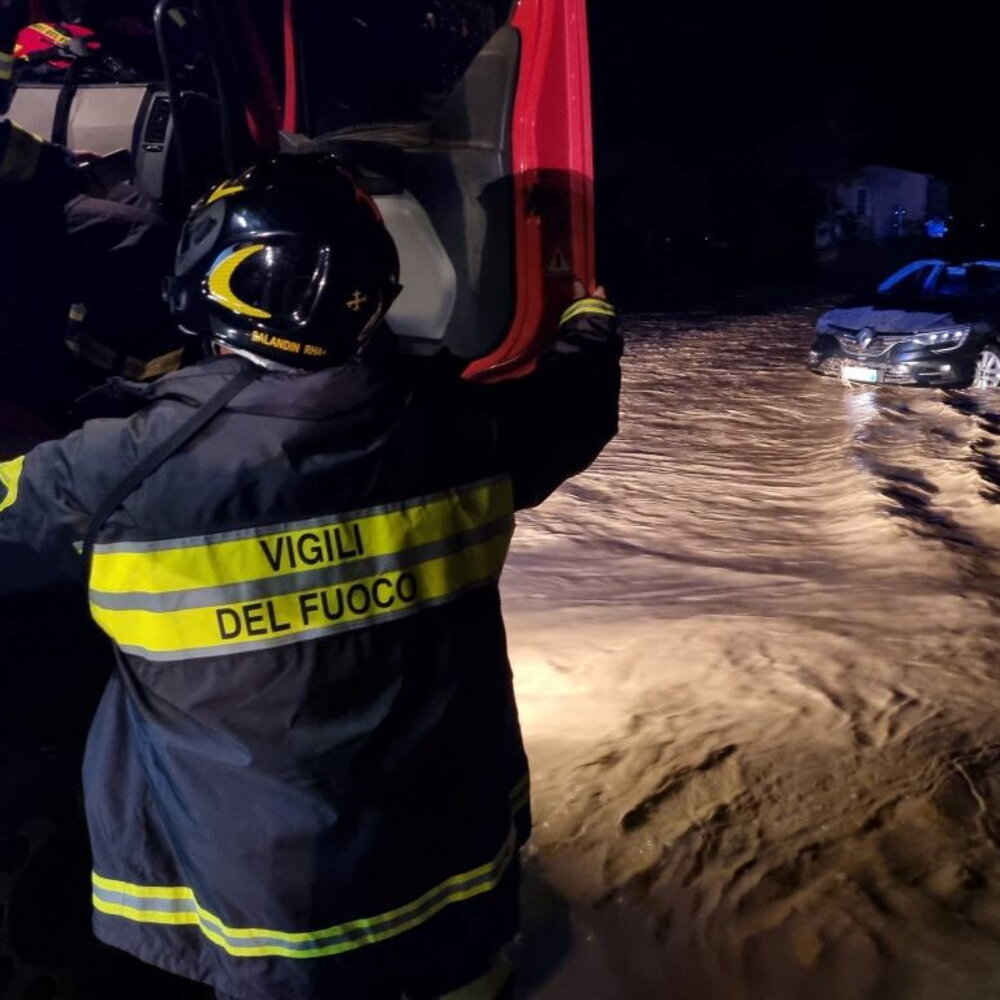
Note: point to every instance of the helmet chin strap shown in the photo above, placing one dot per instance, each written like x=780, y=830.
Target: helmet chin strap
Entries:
x=375, y=321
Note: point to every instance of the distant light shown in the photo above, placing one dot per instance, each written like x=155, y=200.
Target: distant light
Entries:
x=936, y=228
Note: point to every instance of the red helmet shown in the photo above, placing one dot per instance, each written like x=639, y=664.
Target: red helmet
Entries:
x=55, y=44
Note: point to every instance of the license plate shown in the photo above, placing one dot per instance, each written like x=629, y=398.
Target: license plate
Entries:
x=852, y=374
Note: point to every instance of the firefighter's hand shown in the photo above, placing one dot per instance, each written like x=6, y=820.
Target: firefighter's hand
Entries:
x=580, y=291
x=101, y=173
x=590, y=316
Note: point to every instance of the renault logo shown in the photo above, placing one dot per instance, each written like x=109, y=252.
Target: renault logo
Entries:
x=865, y=337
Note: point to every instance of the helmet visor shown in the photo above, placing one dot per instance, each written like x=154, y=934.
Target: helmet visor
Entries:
x=278, y=280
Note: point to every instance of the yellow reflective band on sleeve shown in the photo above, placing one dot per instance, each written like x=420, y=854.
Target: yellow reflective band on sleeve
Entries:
x=205, y=596
x=10, y=476
x=590, y=305
x=21, y=156
x=219, y=278
x=177, y=17
x=179, y=905
x=6, y=65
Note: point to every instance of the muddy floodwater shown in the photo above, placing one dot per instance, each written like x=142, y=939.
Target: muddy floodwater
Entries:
x=756, y=653
x=756, y=650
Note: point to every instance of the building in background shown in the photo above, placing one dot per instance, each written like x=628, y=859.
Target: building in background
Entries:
x=879, y=203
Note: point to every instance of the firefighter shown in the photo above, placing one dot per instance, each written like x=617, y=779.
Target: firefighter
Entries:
x=76, y=232
x=306, y=777
x=36, y=180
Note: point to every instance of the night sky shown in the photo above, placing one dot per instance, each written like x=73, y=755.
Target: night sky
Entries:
x=717, y=123
x=722, y=118
x=882, y=81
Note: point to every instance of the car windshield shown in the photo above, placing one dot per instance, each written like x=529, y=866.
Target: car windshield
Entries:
x=937, y=279
x=969, y=281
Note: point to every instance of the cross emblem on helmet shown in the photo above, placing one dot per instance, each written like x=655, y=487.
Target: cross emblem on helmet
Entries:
x=356, y=301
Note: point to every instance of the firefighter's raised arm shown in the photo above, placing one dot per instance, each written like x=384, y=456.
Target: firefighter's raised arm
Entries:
x=553, y=423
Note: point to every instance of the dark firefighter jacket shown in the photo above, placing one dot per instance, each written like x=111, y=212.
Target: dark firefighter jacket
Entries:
x=306, y=773
x=65, y=239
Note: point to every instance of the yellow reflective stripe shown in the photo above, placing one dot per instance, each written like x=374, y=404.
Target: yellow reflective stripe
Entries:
x=225, y=188
x=145, y=891
x=520, y=795
x=453, y=889
x=352, y=935
x=177, y=17
x=598, y=306
x=10, y=476
x=318, y=610
x=21, y=155
x=347, y=538
x=590, y=305
x=52, y=34
x=6, y=65
x=205, y=920
x=221, y=275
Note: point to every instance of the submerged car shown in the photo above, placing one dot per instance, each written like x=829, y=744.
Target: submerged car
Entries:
x=933, y=322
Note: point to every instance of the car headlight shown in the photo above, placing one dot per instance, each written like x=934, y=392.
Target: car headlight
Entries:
x=945, y=339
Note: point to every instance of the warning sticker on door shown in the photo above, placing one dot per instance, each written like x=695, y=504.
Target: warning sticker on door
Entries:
x=558, y=263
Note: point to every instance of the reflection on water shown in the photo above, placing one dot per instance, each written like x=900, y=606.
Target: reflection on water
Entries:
x=861, y=406
x=736, y=465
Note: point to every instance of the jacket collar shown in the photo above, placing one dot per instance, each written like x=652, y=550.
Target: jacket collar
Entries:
x=308, y=396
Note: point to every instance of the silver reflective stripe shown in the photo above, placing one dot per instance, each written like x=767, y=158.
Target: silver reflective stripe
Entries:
x=323, y=576
x=292, y=526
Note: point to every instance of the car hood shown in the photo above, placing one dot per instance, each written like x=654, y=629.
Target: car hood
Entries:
x=901, y=315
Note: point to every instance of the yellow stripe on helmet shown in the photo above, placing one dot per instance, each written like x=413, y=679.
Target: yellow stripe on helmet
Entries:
x=221, y=276
x=224, y=189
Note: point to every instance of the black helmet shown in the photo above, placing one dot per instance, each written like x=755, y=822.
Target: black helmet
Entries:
x=290, y=261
